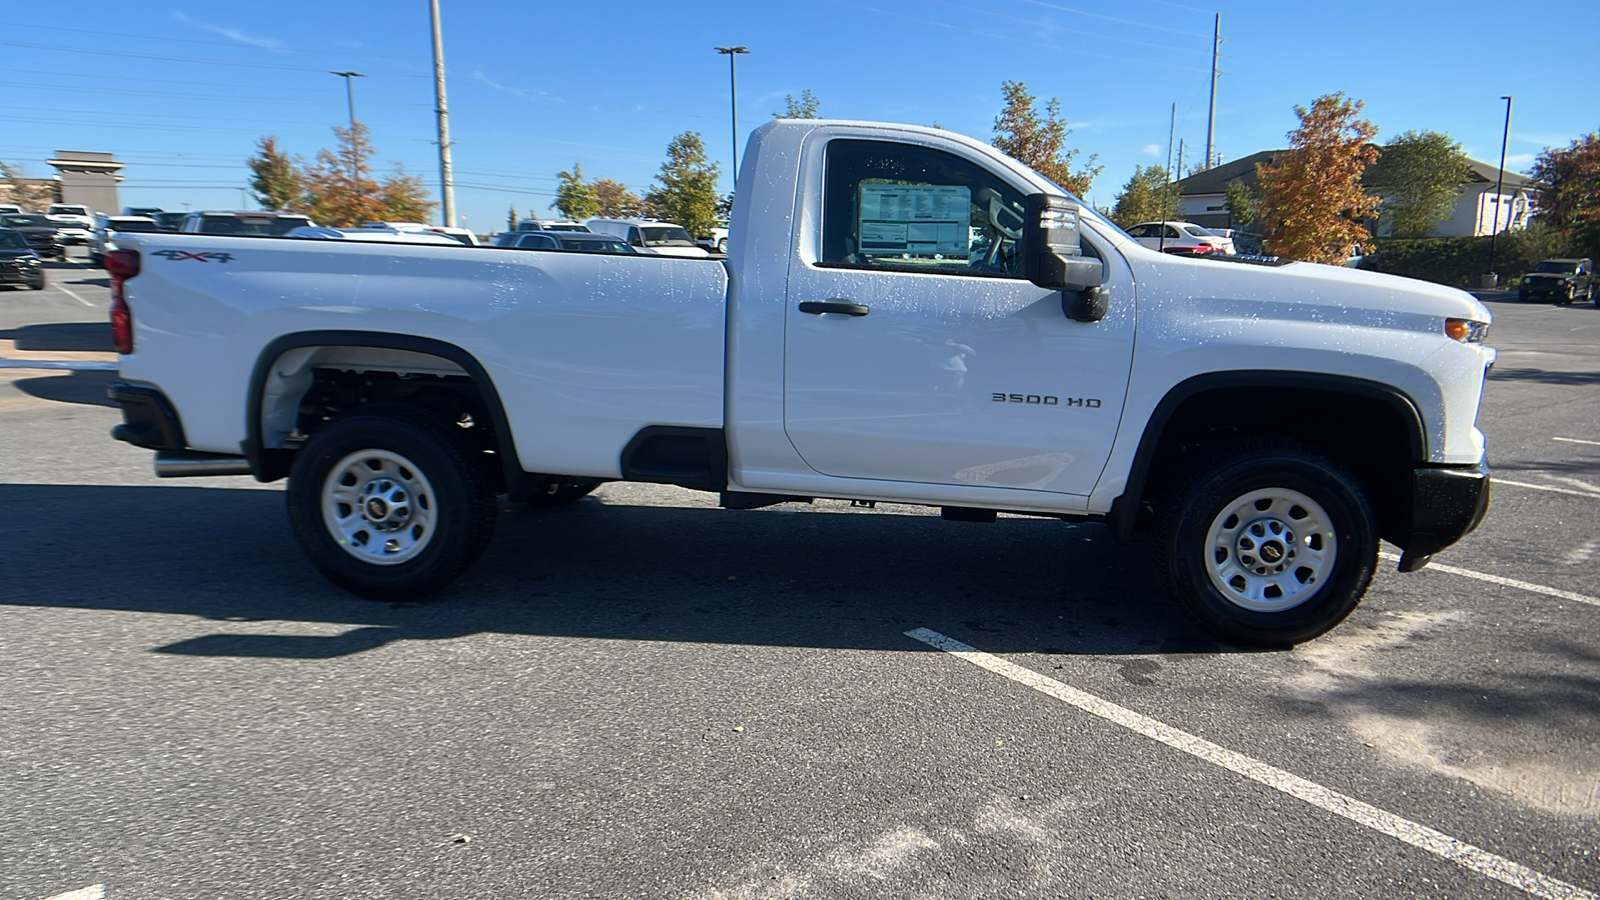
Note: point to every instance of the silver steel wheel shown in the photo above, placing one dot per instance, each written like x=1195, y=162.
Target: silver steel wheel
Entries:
x=1270, y=550
x=379, y=507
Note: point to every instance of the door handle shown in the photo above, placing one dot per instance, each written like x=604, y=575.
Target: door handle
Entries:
x=818, y=307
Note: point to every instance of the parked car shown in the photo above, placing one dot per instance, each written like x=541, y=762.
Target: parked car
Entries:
x=106, y=227
x=146, y=211
x=551, y=225
x=72, y=233
x=75, y=213
x=716, y=241
x=10, y=208
x=650, y=237
x=39, y=230
x=1180, y=237
x=368, y=233
x=581, y=241
x=170, y=221
x=1560, y=280
x=19, y=264
x=248, y=223
x=459, y=235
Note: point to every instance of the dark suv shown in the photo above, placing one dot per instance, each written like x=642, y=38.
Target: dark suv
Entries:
x=41, y=233
x=1561, y=280
x=18, y=263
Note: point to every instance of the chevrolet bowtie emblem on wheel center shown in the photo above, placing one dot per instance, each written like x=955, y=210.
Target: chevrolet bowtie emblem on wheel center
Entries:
x=376, y=509
x=1272, y=552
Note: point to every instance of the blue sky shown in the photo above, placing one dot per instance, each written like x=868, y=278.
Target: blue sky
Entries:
x=182, y=91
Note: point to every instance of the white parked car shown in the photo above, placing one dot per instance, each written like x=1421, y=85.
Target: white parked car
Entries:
x=75, y=213
x=459, y=235
x=551, y=225
x=650, y=237
x=716, y=241
x=1180, y=237
x=103, y=238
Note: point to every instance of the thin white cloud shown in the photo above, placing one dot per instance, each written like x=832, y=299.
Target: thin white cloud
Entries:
x=232, y=34
x=1151, y=150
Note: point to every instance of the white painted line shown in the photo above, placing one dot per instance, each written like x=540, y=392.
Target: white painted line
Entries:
x=1417, y=835
x=1544, y=487
x=1507, y=582
x=92, y=892
x=1577, y=441
x=1578, y=483
x=74, y=296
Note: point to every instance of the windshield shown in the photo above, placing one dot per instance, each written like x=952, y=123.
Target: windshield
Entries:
x=170, y=221
x=666, y=236
x=10, y=240
x=274, y=226
x=26, y=220
x=130, y=225
x=1551, y=267
x=60, y=210
x=595, y=244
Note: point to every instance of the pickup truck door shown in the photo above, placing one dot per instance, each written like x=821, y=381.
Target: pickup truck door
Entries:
x=914, y=351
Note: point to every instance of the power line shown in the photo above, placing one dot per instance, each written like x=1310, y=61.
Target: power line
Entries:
x=180, y=59
x=124, y=36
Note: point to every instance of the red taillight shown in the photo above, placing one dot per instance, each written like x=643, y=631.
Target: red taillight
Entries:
x=121, y=265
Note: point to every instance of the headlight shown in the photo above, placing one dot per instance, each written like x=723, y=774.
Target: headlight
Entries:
x=1467, y=331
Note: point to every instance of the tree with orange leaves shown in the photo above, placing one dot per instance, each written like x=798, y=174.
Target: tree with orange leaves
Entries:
x=1311, y=196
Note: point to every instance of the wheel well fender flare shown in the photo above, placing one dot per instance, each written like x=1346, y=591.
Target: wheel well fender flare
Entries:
x=270, y=464
x=1125, y=508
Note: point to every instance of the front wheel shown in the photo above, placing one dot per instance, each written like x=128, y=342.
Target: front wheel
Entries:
x=390, y=503
x=1268, y=542
x=722, y=245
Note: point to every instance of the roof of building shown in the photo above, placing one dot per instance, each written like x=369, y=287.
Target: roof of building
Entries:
x=1215, y=179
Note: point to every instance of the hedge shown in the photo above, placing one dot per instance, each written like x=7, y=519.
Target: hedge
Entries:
x=1462, y=261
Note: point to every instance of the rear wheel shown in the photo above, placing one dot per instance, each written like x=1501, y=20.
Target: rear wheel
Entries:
x=1267, y=542
x=391, y=503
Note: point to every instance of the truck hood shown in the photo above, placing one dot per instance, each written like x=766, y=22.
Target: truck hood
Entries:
x=1341, y=292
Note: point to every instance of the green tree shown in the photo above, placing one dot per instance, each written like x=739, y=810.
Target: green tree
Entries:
x=575, y=197
x=1241, y=202
x=1569, y=179
x=615, y=201
x=276, y=181
x=1149, y=196
x=1311, y=194
x=804, y=108
x=1039, y=141
x=686, y=191
x=1417, y=179
x=511, y=218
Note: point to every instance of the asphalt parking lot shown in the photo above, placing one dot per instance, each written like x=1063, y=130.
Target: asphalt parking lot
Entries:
x=644, y=696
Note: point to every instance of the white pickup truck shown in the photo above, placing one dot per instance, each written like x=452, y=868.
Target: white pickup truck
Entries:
x=904, y=315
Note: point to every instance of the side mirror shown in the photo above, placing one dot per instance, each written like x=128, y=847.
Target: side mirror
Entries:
x=1055, y=259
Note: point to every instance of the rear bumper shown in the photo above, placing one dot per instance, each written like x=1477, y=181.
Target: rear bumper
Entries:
x=1447, y=504
x=148, y=417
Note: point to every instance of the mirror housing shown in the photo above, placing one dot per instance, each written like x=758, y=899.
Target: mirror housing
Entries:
x=1055, y=257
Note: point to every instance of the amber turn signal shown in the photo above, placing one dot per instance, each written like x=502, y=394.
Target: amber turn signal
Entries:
x=1466, y=331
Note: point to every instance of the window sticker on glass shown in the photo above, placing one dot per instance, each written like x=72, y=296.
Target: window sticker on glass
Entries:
x=915, y=220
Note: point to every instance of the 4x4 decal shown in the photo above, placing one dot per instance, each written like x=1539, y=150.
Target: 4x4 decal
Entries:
x=179, y=255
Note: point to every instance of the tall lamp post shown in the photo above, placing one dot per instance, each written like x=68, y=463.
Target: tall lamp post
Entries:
x=1499, y=182
x=350, y=93
x=733, y=88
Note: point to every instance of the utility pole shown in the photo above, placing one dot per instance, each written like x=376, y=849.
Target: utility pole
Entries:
x=447, y=190
x=1499, y=183
x=1211, y=120
x=733, y=89
x=350, y=97
x=1172, y=129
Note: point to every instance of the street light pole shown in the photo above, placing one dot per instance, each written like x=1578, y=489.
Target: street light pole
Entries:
x=441, y=109
x=733, y=90
x=1499, y=182
x=350, y=94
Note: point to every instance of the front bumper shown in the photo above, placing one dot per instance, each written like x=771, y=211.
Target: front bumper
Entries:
x=1447, y=504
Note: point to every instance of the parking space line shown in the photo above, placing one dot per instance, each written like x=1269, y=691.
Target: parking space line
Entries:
x=1504, y=582
x=1577, y=441
x=1416, y=834
x=1545, y=487
x=92, y=892
x=73, y=295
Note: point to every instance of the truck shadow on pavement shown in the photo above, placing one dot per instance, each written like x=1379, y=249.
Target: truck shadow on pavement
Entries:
x=1544, y=376
x=61, y=336
x=88, y=388
x=814, y=578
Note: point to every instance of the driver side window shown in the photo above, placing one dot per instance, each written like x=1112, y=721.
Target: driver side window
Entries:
x=898, y=207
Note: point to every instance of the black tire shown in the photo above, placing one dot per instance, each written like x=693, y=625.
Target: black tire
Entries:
x=455, y=497
x=722, y=245
x=560, y=493
x=37, y=285
x=1193, y=537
